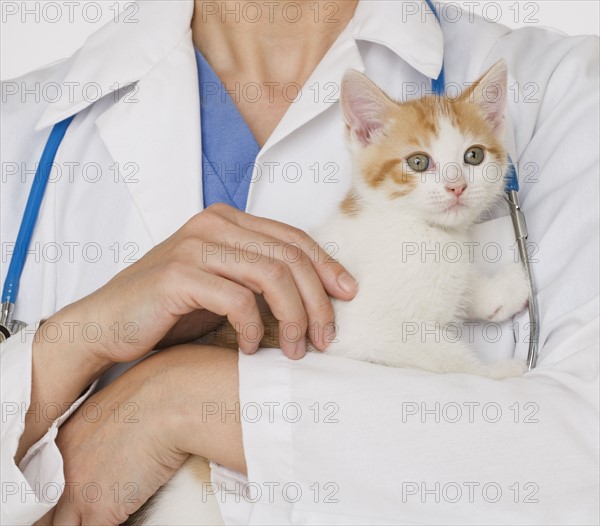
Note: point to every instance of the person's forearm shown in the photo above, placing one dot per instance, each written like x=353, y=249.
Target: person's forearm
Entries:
x=207, y=378
x=61, y=370
x=169, y=390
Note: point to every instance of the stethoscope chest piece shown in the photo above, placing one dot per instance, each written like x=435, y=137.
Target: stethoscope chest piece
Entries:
x=8, y=326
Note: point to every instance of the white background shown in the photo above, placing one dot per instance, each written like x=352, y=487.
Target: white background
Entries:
x=37, y=32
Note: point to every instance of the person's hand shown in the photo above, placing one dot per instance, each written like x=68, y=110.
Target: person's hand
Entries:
x=129, y=438
x=215, y=263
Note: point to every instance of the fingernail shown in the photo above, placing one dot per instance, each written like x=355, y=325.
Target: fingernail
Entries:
x=299, y=349
x=329, y=335
x=347, y=283
x=248, y=349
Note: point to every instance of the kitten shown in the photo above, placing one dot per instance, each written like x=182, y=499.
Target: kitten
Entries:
x=424, y=171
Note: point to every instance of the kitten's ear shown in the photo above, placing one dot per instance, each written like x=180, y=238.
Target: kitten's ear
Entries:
x=489, y=92
x=366, y=107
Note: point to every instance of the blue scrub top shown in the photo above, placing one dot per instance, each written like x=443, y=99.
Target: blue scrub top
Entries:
x=229, y=149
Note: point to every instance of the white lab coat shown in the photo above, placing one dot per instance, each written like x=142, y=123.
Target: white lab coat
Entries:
x=374, y=455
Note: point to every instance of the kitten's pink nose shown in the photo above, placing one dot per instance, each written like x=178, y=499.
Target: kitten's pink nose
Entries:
x=457, y=190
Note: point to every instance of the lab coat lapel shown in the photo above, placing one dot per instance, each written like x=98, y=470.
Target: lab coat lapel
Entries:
x=154, y=131
x=160, y=133
x=118, y=54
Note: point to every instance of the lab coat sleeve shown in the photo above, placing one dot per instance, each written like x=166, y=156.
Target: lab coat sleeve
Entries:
x=370, y=444
x=33, y=487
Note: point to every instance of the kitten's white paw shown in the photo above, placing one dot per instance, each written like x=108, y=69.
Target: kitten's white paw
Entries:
x=507, y=369
x=510, y=294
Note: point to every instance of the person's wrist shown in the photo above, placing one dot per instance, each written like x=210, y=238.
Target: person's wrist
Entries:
x=194, y=402
x=160, y=389
x=163, y=381
x=60, y=372
x=167, y=378
x=59, y=342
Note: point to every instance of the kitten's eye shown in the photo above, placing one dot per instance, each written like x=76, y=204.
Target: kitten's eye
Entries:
x=419, y=162
x=474, y=155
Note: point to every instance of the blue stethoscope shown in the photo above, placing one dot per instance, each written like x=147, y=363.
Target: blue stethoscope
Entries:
x=10, y=291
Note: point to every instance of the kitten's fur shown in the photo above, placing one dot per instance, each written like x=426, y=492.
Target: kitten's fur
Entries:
x=404, y=304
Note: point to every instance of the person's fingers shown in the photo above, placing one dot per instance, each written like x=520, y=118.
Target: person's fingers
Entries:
x=247, y=245
x=198, y=289
x=338, y=282
x=252, y=249
x=317, y=304
x=272, y=278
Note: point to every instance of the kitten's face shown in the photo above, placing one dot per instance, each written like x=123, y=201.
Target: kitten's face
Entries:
x=441, y=158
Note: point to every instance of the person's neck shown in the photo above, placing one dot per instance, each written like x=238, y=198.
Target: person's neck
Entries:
x=263, y=41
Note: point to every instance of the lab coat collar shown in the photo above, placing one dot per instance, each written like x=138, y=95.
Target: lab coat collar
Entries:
x=119, y=54
x=416, y=38
x=409, y=29
x=122, y=52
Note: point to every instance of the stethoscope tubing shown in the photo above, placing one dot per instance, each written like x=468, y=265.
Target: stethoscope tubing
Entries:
x=10, y=290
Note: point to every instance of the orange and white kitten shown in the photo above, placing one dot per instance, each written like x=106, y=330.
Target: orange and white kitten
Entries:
x=424, y=171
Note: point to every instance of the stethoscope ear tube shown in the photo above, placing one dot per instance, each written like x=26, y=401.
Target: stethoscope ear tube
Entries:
x=521, y=234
